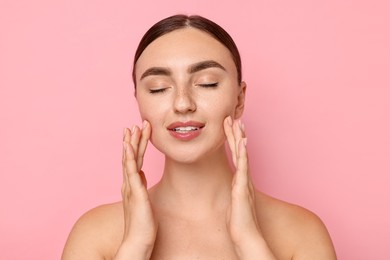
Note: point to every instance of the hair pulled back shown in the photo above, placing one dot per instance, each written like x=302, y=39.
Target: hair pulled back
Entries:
x=181, y=21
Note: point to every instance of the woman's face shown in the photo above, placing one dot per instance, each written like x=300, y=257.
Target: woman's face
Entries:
x=186, y=86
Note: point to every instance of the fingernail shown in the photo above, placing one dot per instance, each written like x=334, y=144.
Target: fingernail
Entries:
x=133, y=129
x=242, y=126
x=242, y=145
x=229, y=120
x=144, y=123
x=244, y=141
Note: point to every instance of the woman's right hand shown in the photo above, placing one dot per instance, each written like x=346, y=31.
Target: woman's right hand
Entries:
x=140, y=226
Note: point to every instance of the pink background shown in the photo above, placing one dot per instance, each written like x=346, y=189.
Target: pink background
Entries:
x=317, y=116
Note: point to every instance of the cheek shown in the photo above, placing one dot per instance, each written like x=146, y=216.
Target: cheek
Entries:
x=148, y=108
x=153, y=113
x=146, y=113
x=150, y=115
x=222, y=106
x=143, y=111
x=154, y=119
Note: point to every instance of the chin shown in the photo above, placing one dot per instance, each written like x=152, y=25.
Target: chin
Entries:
x=188, y=152
x=183, y=160
x=184, y=155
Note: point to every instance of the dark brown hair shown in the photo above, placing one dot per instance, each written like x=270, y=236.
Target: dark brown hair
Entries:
x=181, y=21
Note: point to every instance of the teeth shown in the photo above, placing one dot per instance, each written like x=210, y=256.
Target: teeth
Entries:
x=185, y=129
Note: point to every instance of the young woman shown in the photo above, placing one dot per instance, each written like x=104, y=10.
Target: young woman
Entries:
x=187, y=76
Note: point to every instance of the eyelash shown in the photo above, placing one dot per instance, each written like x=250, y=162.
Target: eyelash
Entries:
x=155, y=91
x=207, y=85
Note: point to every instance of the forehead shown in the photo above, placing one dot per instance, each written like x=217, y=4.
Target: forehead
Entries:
x=181, y=48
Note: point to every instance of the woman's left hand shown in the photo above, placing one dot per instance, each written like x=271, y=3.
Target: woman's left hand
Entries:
x=242, y=220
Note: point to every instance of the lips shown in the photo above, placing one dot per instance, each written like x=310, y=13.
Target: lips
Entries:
x=185, y=131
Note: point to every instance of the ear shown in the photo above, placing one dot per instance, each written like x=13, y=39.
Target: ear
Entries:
x=240, y=101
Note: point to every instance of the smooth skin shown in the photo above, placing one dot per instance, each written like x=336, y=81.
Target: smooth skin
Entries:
x=203, y=208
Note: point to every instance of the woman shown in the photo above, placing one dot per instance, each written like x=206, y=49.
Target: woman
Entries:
x=187, y=75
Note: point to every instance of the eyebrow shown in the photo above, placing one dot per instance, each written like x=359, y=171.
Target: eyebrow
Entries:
x=156, y=71
x=161, y=71
x=205, y=65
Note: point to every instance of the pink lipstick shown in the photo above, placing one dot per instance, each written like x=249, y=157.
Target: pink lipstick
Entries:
x=185, y=131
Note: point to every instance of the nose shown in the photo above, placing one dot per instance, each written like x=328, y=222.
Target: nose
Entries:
x=184, y=101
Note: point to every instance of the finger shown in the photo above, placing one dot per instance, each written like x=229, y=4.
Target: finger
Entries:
x=131, y=175
x=126, y=135
x=228, y=127
x=126, y=184
x=242, y=164
x=143, y=179
x=129, y=162
x=238, y=134
x=126, y=139
x=134, y=139
x=145, y=136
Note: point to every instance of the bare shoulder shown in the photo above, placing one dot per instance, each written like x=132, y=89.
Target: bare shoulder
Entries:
x=293, y=230
x=96, y=234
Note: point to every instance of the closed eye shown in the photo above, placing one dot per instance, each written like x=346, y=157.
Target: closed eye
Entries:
x=154, y=91
x=208, y=85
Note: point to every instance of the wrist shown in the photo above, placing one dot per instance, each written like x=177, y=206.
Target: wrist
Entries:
x=254, y=248
x=128, y=250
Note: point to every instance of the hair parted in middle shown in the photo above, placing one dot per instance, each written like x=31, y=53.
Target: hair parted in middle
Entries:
x=181, y=21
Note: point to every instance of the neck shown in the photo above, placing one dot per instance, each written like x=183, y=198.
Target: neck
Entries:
x=203, y=185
